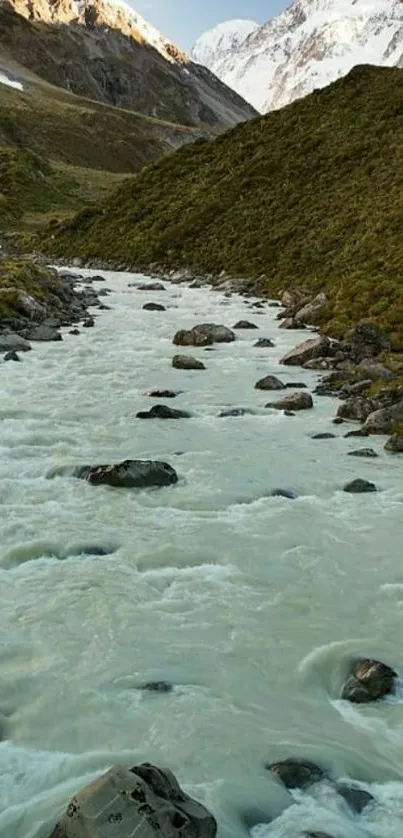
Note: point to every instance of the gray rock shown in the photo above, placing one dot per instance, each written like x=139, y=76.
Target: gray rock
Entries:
x=44, y=333
x=381, y=421
x=369, y=680
x=297, y=773
x=318, y=364
x=395, y=444
x=357, y=388
x=359, y=432
x=154, y=307
x=236, y=411
x=295, y=401
x=10, y=341
x=363, y=452
x=269, y=382
x=186, y=362
x=356, y=799
x=204, y=334
x=129, y=474
x=12, y=356
x=324, y=436
x=157, y=687
x=303, y=352
x=89, y=322
x=245, y=324
x=359, y=486
x=144, y=801
x=291, y=323
x=151, y=286
x=162, y=411
x=308, y=311
x=355, y=407
x=375, y=371
x=264, y=343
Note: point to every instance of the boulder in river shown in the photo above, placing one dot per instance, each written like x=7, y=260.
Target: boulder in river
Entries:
x=162, y=411
x=88, y=322
x=368, y=681
x=236, y=411
x=359, y=485
x=296, y=385
x=163, y=394
x=12, y=356
x=44, y=333
x=269, y=382
x=359, y=432
x=154, y=307
x=324, y=436
x=187, y=362
x=157, y=687
x=145, y=801
x=381, y=421
x=395, y=444
x=363, y=452
x=355, y=407
x=129, y=474
x=151, y=286
x=10, y=341
x=313, y=348
x=204, y=334
x=264, y=343
x=357, y=799
x=295, y=401
x=297, y=773
x=245, y=324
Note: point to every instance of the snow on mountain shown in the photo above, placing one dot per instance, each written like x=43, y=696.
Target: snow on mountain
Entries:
x=309, y=45
x=9, y=82
x=226, y=37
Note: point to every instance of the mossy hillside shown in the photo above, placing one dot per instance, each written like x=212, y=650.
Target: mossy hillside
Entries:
x=18, y=275
x=310, y=196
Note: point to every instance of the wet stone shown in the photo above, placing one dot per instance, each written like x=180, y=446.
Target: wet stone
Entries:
x=297, y=773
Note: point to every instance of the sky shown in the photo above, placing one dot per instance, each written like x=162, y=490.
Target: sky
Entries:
x=182, y=21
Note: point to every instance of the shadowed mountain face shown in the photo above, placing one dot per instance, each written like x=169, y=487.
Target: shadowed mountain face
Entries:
x=110, y=54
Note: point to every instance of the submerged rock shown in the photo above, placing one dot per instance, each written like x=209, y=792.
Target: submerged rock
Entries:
x=369, y=680
x=363, y=452
x=89, y=322
x=295, y=401
x=357, y=799
x=283, y=493
x=157, y=687
x=204, y=335
x=144, y=801
x=394, y=444
x=163, y=394
x=297, y=773
x=129, y=474
x=324, y=436
x=162, y=411
x=236, y=411
x=296, y=385
x=358, y=485
x=12, y=356
x=358, y=432
x=151, y=286
x=269, y=382
x=264, y=343
x=154, y=307
x=187, y=362
x=303, y=352
x=245, y=324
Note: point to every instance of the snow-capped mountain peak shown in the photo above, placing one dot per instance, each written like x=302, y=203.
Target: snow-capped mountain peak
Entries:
x=226, y=37
x=309, y=45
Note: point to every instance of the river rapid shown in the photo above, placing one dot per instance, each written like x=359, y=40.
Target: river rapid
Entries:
x=250, y=605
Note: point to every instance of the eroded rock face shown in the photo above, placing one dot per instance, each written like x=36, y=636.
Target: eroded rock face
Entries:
x=186, y=362
x=129, y=474
x=204, y=335
x=295, y=401
x=297, y=773
x=145, y=801
x=369, y=680
x=307, y=350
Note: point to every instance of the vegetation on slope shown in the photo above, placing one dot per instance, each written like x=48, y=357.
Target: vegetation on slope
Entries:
x=310, y=196
x=21, y=276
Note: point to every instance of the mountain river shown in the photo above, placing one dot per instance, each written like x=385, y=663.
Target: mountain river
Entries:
x=250, y=605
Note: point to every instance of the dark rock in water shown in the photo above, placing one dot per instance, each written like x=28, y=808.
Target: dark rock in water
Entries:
x=154, y=307
x=289, y=413
x=245, y=324
x=74, y=332
x=338, y=421
x=209, y=348
x=269, y=382
x=43, y=333
x=317, y=835
x=264, y=343
x=258, y=304
x=163, y=394
x=236, y=411
x=394, y=444
x=204, y=334
x=151, y=286
x=186, y=362
x=283, y=493
x=98, y=278
x=158, y=687
x=12, y=356
x=358, y=432
x=274, y=305
x=296, y=385
x=88, y=322
x=363, y=452
x=368, y=681
x=357, y=799
x=358, y=485
x=138, y=474
x=144, y=800
x=324, y=436
x=297, y=773
x=295, y=401
x=162, y=411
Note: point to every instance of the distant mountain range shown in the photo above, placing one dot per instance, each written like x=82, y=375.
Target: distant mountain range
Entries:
x=309, y=45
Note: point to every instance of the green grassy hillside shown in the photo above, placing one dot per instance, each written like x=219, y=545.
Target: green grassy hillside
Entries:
x=310, y=195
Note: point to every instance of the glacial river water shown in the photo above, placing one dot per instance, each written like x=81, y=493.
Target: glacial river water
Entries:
x=251, y=605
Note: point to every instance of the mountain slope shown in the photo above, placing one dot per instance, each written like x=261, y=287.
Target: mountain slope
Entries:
x=104, y=51
x=309, y=45
x=289, y=195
